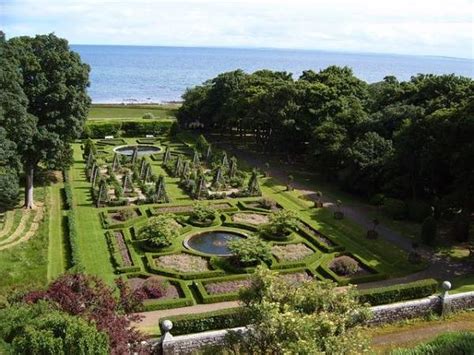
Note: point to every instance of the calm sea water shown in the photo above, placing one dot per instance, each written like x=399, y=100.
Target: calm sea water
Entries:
x=158, y=74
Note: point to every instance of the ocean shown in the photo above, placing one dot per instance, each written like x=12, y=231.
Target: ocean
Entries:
x=134, y=74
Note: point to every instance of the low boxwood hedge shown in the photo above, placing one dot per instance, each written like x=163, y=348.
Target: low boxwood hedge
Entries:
x=111, y=142
x=398, y=293
x=184, y=301
x=116, y=256
x=107, y=222
x=196, y=323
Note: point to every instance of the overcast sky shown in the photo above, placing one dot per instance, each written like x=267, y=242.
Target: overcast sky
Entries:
x=429, y=27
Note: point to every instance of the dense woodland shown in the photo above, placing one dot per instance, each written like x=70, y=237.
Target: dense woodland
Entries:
x=412, y=140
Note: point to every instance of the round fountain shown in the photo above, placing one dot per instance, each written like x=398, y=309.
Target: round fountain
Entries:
x=212, y=242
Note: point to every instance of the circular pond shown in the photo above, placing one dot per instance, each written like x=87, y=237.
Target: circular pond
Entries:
x=214, y=242
x=142, y=149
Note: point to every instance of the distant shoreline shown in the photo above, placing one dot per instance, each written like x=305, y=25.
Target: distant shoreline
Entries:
x=137, y=103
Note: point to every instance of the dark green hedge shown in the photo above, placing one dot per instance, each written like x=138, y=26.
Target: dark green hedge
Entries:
x=100, y=129
x=73, y=239
x=196, y=323
x=398, y=293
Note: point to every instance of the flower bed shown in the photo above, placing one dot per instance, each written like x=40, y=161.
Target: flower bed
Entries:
x=182, y=263
x=250, y=218
x=170, y=291
x=216, y=288
x=189, y=208
x=291, y=252
x=127, y=261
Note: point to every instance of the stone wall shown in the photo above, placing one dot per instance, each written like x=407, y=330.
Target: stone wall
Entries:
x=186, y=344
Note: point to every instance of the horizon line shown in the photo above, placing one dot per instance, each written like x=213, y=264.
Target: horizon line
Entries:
x=273, y=48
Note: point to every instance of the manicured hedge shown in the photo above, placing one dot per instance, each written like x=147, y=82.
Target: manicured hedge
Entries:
x=73, y=239
x=100, y=129
x=398, y=293
x=196, y=323
x=108, y=224
x=111, y=142
x=305, y=230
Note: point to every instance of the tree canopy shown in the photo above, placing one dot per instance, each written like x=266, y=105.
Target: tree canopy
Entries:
x=406, y=139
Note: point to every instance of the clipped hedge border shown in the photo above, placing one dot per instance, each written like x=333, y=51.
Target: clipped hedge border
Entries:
x=148, y=141
x=73, y=239
x=398, y=293
x=196, y=323
x=111, y=142
x=245, y=207
x=100, y=129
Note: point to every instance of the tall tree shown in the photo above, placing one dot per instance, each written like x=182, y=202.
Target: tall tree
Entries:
x=54, y=80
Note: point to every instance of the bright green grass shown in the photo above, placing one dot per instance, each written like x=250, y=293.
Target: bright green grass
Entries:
x=25, y=265
x=463, y=284
x=92, y=243
x=57, y=259
x=98, y=112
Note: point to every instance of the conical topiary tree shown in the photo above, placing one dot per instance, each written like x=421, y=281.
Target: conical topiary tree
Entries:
x=116, y=162
x=90, y=159
x=160, y=190
x=233, y=167
x=167, y=155
x=178, y=166
x=134, y=155
x=217, y=179
x=208, y=153
x=142, y=167
x=147, y=172
x=92, y=171
x=102, y=195
x=186, y=168
x=200, y=186
x=127, y=182
x=254, y=186
x=94, y=175
x=196, y=160
x=224, y=161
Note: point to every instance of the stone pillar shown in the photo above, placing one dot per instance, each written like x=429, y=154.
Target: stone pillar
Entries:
x=166, y=338
x=445, y=303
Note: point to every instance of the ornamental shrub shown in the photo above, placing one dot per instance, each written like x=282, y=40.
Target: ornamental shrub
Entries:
x=344, y=265
x=429, y=231
x=126, y=214
x=281, y=224
x=250, y=251
x=267, y=203
x=203, y=213
x=160, y=231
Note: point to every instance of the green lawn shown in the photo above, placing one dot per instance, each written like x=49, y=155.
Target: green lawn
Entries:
x=99, y=112
x=25, y=265
x=57, y=258
x=463, y=284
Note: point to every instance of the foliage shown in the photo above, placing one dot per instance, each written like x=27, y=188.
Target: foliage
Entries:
x=126, y=214
x=57, y=103
x=9, y=188
x=250, y=250
x=155, y=287
x=429, y=230
x=73, y=239
x=405, y=139
x=160, y=231
x=449, y=343
x=89, y=298
x=267, y=203
x=281, y=224
x=344, y=265
x=100, y=129
x=43, y=329
x=203, y=213
x=307, y=318
x=418, y=210
x=398, y=293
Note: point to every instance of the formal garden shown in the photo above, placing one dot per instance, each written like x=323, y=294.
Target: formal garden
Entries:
x=182, y=220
